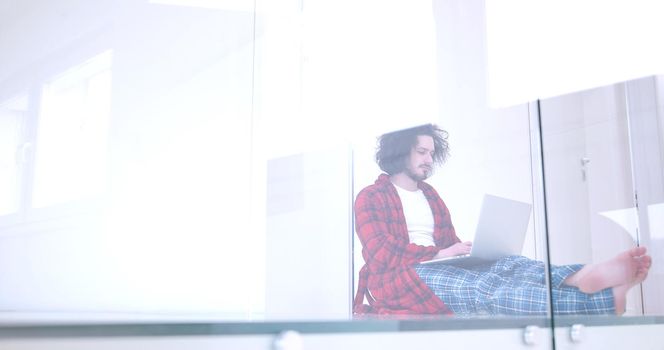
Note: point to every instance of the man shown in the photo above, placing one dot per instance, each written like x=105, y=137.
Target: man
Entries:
x=401, y=221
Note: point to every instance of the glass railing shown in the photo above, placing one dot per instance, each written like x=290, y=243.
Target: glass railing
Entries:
x=214, y=167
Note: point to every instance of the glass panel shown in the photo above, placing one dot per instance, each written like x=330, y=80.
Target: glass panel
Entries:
x=646, y=130
x=145, y=124
x=355, y=84
x=225, y=149
x=227, y=143
x=601, y=152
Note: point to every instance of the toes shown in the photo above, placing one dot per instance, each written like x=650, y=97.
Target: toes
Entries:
x=637, y=251
x=645, y=261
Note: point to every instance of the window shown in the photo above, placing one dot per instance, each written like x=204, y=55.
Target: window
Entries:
x=53, y=144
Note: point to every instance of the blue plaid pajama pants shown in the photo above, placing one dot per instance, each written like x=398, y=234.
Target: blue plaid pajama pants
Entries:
x=514, y=285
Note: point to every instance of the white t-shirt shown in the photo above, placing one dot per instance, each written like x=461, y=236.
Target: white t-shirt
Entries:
x=419, y=217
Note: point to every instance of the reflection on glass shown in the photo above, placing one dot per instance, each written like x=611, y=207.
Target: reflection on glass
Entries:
x=12, y=118
x=169, y=226
x=71, y=159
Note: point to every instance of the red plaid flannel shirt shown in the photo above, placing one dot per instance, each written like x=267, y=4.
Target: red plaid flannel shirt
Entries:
x=389, y=256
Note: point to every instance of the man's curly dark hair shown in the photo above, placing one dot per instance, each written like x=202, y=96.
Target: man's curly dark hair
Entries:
x=394, y=147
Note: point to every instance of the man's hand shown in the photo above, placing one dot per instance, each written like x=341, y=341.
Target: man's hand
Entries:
x=456, y=249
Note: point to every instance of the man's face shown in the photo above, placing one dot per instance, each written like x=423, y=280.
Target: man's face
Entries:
x=419, y=165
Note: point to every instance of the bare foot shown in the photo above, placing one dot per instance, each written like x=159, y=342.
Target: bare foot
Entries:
x=620, y=298
x=620, y=292
x=625, y=269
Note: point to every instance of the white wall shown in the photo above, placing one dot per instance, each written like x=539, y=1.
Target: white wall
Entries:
x=490, y=148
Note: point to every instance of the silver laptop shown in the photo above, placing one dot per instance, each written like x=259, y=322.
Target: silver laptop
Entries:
x=501, y=231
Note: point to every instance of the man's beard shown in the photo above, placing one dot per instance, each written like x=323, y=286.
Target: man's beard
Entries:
x=417, y=177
